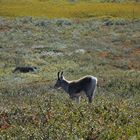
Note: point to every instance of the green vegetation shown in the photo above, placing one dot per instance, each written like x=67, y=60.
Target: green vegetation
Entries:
x=30, y=108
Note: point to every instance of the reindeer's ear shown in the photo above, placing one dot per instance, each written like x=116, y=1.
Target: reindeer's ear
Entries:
x=62, y=74
x=58, y=74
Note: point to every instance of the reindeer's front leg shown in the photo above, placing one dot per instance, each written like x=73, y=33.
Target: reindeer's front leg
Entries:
x=76, y=98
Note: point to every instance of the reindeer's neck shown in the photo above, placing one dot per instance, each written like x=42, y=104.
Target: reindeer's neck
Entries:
x=65, y=85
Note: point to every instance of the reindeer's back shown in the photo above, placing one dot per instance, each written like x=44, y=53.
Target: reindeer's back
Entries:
x=82, y=84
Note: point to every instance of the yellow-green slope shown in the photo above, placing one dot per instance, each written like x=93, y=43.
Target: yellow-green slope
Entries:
x=68, y=10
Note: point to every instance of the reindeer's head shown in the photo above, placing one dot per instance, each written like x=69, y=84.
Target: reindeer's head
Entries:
x=59, y=80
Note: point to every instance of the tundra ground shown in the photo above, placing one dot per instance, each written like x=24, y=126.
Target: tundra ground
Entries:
x=30, y=108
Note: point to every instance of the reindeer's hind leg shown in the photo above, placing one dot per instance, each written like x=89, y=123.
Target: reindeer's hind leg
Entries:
x=90, y=94
x=89, y=98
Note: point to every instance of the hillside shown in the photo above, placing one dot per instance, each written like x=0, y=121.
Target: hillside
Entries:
x=70, y=9
x=30, y=108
